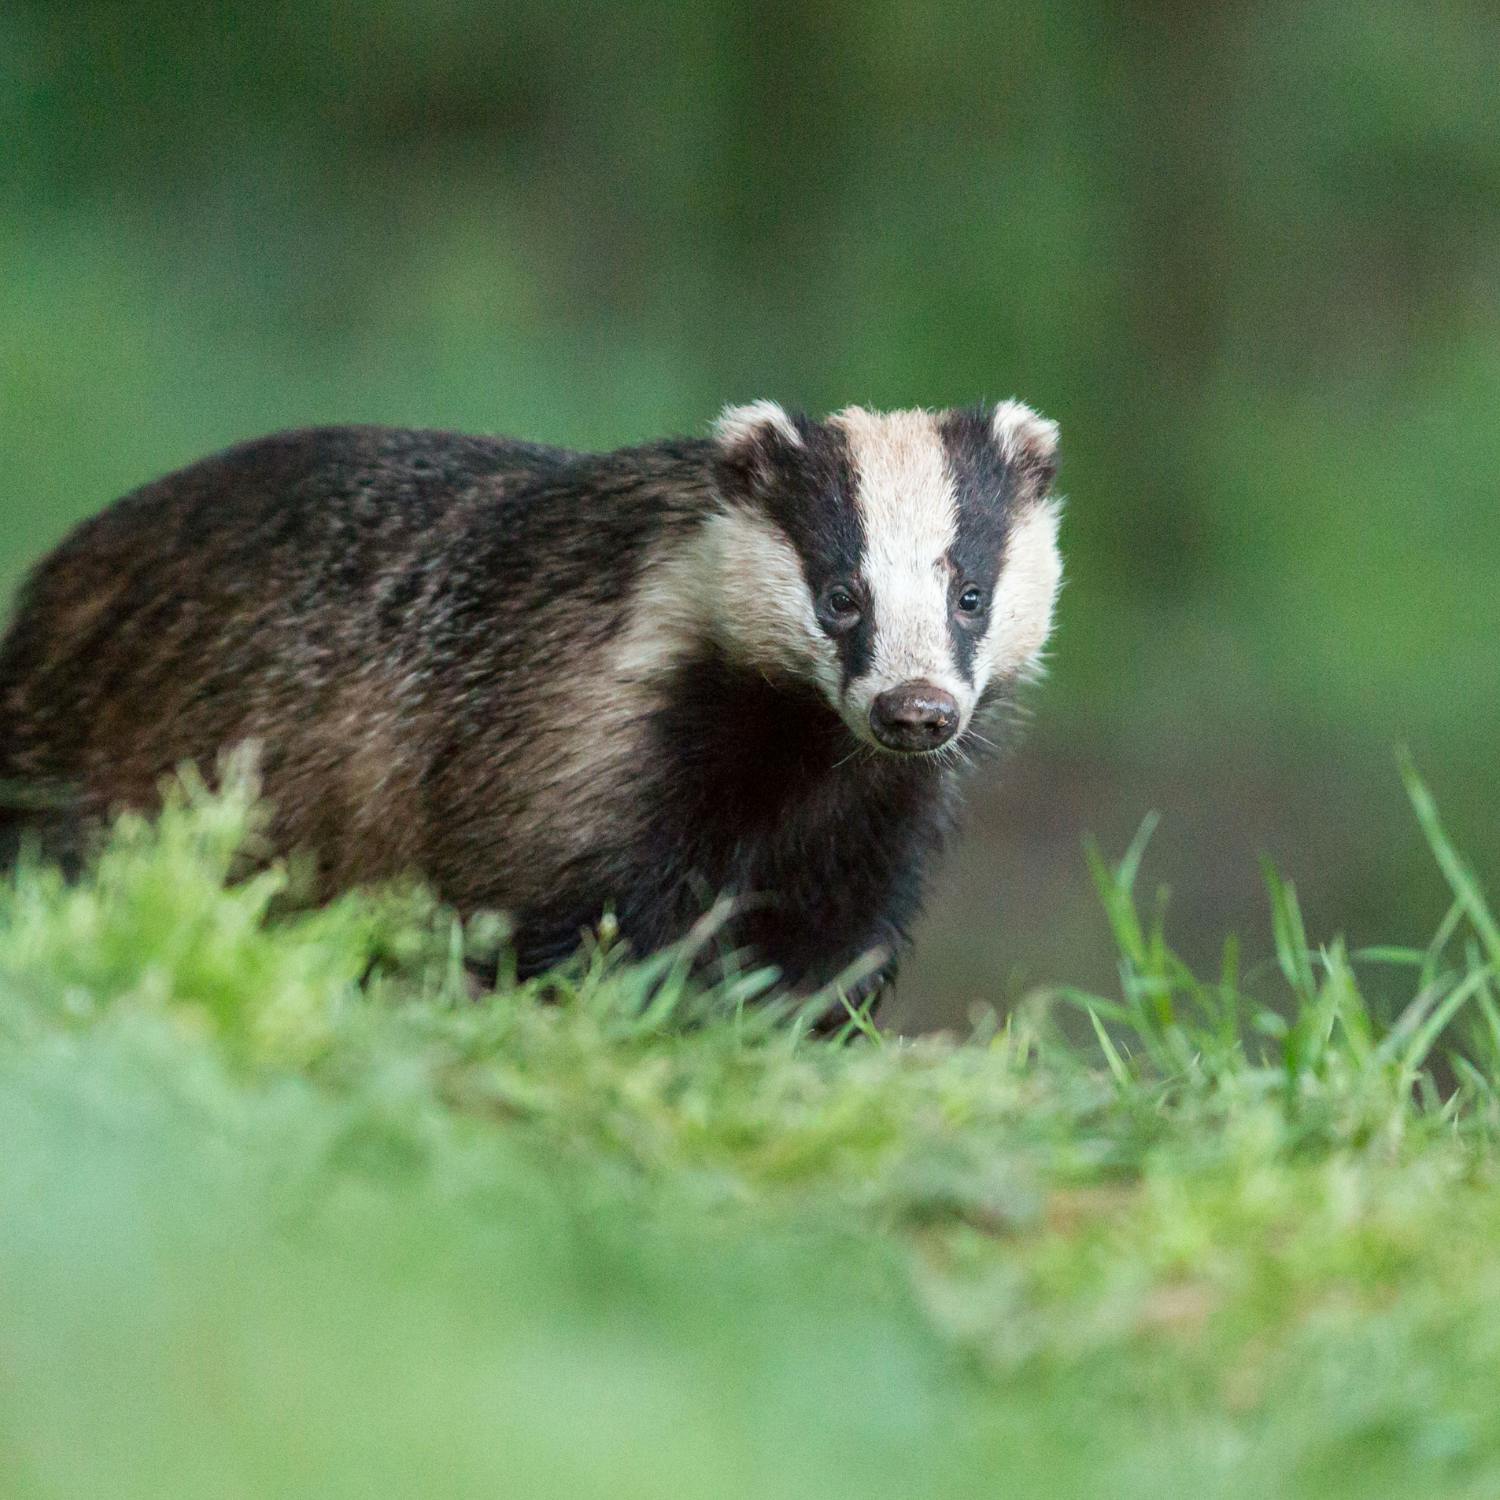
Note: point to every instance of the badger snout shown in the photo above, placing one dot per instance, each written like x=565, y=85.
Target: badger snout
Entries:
x=914, y=716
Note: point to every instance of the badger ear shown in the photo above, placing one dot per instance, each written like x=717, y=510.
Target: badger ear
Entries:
x=751, y=440
x=1027, y=441
x=740, y=427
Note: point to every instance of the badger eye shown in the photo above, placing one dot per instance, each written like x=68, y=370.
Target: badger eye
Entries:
x=970, y=601
x=839, y=607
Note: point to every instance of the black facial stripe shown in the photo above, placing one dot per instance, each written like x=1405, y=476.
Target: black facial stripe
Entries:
x=812, y=502
x=844, y=551
x=856, y=646
x=985, y=488
x=856, y=649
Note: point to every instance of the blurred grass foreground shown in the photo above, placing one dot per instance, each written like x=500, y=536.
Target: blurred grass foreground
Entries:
x=284, y=1212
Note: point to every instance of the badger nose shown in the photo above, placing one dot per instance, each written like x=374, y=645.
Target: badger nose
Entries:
x=914, y=716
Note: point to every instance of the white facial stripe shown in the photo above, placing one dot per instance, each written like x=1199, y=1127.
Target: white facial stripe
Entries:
x=738, y=580
x=907, y=509
x=1021, y=615
x=765, y=613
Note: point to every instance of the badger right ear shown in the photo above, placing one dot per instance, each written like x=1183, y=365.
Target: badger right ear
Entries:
x=1027, y=440
x=752, y=440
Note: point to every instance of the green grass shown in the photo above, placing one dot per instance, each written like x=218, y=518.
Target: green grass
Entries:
x=284, y=1212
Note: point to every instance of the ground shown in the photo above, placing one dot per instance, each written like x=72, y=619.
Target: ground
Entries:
x=283, y=1211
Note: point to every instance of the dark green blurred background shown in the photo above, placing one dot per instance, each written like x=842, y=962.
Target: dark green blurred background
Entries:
x=1247, y=254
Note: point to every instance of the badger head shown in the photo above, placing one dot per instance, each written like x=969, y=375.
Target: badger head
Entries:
x=906, y=562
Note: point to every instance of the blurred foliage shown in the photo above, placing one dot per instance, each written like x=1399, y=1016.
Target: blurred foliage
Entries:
x=1246, y=253
x=268, y=1229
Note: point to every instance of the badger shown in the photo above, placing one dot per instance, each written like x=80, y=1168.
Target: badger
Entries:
x=747, y=668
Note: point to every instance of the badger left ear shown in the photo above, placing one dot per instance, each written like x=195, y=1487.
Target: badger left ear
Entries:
x=740, y=427
x=753, y=441
x=1028, y=441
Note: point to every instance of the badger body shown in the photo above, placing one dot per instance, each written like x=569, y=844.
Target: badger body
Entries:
x=555, y=683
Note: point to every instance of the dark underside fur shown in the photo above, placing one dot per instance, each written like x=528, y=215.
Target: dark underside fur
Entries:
x=399, y=619
x=761, y=795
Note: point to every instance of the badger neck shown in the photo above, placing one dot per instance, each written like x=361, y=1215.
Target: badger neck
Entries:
x=734, y=714
x=761, y=794
x=754, y=751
